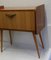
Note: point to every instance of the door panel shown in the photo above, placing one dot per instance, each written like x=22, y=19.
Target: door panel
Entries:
x=19, y=20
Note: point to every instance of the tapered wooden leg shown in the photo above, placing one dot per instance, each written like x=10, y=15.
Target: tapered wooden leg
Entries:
x=36, y=45
x=1, y=40
x=41, y=40
x=10, y=37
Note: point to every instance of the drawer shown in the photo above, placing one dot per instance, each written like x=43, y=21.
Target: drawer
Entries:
x=9, y=19
x=19, y=20
x=26, y=20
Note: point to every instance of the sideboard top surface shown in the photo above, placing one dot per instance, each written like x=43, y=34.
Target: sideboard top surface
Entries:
x=17, y=8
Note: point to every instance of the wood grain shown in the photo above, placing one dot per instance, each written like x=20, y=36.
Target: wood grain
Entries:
x=17, y=8
x=24, y=20
x=40, y=18
x=1, y=40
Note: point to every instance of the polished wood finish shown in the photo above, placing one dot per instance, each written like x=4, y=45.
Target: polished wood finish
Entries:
x=23, y=20
x=19, y=19
x=41, y=40
x=36, y=45
x=17, y=8
x=1, y=40
x=10, y=37
x=40, y=18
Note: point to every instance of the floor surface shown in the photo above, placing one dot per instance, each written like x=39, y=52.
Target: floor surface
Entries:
x=20, y=53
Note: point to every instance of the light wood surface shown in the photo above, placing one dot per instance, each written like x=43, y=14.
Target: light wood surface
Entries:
x=18, y=8
x=23, y=20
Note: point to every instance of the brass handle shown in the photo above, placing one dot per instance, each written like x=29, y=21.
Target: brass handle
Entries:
x=10, y=15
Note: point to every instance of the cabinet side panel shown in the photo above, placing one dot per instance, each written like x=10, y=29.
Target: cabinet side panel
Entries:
x=40, y=18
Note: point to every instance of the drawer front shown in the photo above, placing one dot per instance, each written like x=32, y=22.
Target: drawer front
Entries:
x=19, y=20
x=30, y=20
x=1, y=20
x=9, y=19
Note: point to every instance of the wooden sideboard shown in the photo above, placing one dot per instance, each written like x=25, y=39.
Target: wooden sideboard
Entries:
x=23, y=19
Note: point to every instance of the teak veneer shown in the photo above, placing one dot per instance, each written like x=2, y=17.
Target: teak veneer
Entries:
x=23, y=19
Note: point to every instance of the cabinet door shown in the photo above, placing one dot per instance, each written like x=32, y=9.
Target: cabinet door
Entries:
x=26, y=20
x=19, y=20
x=30, y=20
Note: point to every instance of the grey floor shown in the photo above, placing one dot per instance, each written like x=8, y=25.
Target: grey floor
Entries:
x=23, y=47
x=15, y=52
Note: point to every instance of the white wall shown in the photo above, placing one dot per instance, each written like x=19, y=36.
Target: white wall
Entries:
x=22, y=37
x=48, y=14
x=48, y=11
x=20, y=2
